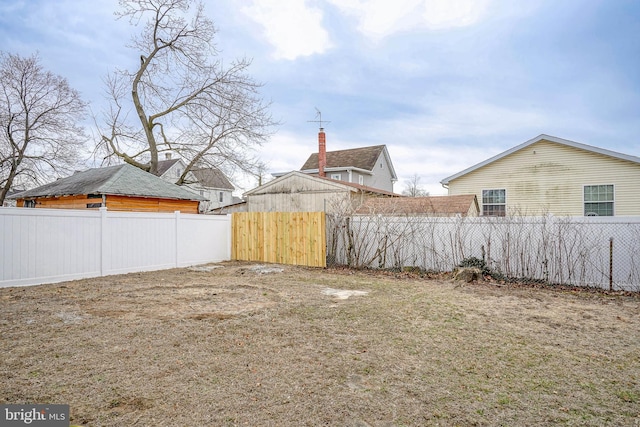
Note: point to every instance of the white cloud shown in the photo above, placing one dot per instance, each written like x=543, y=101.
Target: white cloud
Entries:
x=292, y=27
x=380, y=18
x=442, y=14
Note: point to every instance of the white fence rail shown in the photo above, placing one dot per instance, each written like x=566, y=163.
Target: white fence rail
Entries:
x=54, y=245
x=584, y=251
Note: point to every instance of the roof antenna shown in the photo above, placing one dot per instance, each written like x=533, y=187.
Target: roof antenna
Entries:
x=319, y=117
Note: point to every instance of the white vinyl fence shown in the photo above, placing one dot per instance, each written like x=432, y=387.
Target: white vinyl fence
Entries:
x=54, y=245
x=583, y=251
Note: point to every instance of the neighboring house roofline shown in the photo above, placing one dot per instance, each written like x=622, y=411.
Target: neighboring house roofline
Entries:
x=349, y=158
x=342, y=185
x=338, y=184
x=339, y=169
x=543, y=137
x=430, y=205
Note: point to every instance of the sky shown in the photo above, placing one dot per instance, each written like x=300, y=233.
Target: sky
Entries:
x=444, y=84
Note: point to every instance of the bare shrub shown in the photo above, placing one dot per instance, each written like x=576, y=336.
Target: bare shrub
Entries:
x=596, y=252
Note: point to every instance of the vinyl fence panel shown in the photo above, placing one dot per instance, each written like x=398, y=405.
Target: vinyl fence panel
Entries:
x=53, y=245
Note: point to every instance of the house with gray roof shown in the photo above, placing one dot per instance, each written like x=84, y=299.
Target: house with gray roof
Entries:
x=210, y=183
x=121, y=187
x=366, y=166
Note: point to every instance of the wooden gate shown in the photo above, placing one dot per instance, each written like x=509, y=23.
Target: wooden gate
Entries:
x=297, y=238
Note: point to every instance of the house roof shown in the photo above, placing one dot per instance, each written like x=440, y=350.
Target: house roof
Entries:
x=329, y=183
x=539, y=138
x=165, y=165
x=123, y=179
x=432, y=205
x=212, y=178
x=363, y=158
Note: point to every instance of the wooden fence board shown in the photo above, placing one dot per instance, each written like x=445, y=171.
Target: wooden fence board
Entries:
x=297, y=238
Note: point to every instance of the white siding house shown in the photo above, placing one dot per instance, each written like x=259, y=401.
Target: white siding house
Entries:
x=552, y=175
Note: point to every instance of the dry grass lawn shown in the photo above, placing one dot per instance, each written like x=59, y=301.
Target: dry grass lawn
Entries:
x=235, y=347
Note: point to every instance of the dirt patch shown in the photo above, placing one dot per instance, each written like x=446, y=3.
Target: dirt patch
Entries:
x=236, y=345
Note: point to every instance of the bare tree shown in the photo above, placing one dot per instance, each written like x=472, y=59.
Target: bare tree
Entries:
x=182, y=97
x=39, y=115
x=412, y=187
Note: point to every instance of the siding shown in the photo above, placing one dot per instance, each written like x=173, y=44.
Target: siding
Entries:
x=295, y=202
x=64, y=202
x=549, y=177
x=118, y=203
x=144, y=204
x=381, y=177
x=296, y=193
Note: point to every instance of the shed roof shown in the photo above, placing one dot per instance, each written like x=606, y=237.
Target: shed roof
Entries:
x=327, y=184
x=430, y=205
x=539, y=138
x=123, y=179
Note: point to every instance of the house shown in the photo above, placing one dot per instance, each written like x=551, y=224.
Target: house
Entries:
x=553, y=175
x=215, y=186
x=119, y=188
x=210, y=183
x=366, y=166
x=301, y=192
x=464, y=205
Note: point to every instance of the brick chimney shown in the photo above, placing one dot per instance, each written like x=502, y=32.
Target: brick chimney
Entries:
x=322, y=152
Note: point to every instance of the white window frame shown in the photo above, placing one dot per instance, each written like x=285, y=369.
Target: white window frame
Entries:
x=482, y=203
x=613, y=201
x=336, y=176
x=360, y=179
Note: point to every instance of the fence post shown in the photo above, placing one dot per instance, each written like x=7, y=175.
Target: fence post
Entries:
x=177, y=237
x=611, y=264
x=103, y=241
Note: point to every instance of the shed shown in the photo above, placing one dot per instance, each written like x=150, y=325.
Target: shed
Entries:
x=119, y=188
x=300, y=192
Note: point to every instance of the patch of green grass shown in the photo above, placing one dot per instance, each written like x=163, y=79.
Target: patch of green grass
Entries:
x=629, y=396
x=504, y=400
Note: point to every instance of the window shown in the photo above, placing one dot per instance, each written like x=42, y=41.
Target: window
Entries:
x=494, y=202
x=29, y=203
x=336, y=176
x=598, y=200
x=221, y=197
x=361, y=180
x=94, y=205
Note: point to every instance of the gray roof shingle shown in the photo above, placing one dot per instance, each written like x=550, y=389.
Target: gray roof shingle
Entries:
x=121, y=179
x=212, y=178
x=362, y=158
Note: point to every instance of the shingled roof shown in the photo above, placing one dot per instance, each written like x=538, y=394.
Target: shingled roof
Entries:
x=361, y=158
x=212, y=178
x=123, y=180
x=164, y=165
x=434, y=205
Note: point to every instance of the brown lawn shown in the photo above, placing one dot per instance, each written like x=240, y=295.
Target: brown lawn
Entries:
x=233, y=346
